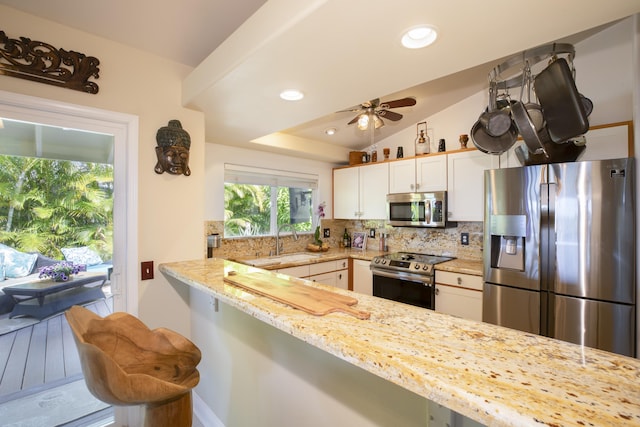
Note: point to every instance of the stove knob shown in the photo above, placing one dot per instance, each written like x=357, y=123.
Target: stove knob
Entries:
x=425, y=267
x=384, y=261
x=377, y=261
x=417, y=266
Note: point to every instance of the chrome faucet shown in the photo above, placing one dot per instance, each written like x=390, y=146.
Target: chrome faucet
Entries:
x=293, y=232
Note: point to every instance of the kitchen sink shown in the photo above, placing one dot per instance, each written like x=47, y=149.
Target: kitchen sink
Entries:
x=281, y=259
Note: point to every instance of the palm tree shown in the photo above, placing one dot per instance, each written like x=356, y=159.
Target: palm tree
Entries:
x=50, y=204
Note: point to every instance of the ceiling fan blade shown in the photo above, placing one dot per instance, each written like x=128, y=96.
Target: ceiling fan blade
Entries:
x=391, y=115
x=355, y=119
x=404, y=102
x=353, y=109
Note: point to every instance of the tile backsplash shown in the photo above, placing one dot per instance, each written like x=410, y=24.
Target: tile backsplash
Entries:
x=439, y=241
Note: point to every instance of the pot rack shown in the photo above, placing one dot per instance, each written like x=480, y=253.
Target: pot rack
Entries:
x=528, y=57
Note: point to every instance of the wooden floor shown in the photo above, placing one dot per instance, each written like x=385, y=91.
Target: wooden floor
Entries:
x=42, y=356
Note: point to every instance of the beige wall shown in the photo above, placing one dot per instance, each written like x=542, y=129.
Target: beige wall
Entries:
x=170, y=208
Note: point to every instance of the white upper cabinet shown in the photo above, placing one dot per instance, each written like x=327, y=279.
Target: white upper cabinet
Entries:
x=465, y=195
x=346, y=183
x=420, y=174
x=361, y=192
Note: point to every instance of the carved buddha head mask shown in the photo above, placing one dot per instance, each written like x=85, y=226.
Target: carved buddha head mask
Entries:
x=173, y=149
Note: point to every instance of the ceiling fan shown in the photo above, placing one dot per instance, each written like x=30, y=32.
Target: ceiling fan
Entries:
x=375, y=110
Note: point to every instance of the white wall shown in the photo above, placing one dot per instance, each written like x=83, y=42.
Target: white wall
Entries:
x=170, y=207
x=604, y=74
x=217, y=155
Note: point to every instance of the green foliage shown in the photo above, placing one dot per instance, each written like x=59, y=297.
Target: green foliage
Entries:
x=46, y=205
x=248, y=210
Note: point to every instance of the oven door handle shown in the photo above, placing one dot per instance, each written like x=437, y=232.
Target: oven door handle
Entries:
x=400, y=275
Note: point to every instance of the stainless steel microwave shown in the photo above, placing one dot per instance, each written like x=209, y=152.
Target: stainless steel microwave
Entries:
x=417, y=209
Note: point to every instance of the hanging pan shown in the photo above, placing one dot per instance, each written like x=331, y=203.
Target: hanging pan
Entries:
x=525, y=125
x=562, y=105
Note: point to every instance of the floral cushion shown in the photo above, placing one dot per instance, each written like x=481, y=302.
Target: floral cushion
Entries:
x=81, y=255
x=16, y=263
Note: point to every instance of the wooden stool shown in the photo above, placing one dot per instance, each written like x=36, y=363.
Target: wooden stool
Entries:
x=125, y=363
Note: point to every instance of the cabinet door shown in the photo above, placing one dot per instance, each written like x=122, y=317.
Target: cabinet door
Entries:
x=345, y=193
x=465, y=303
x=342, y=279
x=362, y=277
x=374, y=186
x=431, y=173
x=465, y=184
x=402, y=176
x=607, y=142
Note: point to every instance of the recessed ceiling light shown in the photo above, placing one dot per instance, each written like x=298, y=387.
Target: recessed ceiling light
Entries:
x=331, y=131
x=291, y=95
x=419, y=36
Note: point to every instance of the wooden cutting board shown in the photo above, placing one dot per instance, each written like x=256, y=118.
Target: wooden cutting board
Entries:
x=309, y=299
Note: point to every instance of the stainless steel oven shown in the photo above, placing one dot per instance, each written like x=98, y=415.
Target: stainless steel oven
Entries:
x=406, y=277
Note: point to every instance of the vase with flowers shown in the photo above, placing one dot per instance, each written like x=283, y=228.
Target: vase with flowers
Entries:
x=318, y=244
x=60, y=272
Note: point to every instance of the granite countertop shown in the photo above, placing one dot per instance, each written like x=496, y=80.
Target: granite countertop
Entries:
x=494, y=375
x=456, y=266
x=330, y=255
x=463, y=266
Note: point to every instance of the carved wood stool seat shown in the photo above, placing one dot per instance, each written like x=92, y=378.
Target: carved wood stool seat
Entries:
x=126, y=363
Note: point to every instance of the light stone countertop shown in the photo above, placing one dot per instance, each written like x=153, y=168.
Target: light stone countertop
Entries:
x=494, y=375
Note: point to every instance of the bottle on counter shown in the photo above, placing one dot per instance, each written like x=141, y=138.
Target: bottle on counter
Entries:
x=383, y=242
x=346, y=239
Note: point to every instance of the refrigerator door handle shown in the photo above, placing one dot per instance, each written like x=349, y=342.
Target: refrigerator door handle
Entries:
x=547, y=235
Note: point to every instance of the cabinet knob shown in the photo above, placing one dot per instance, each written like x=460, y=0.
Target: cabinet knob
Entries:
x=437, y=290
x=339, y=276
x=459, y=280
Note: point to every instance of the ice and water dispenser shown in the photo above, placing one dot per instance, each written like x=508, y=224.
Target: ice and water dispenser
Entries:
x=508, y=233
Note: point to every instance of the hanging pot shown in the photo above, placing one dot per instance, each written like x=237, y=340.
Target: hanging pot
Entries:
x=561, y=103
x=534, y=110
x=496, y=121
x=490, y=144
x=525, y=124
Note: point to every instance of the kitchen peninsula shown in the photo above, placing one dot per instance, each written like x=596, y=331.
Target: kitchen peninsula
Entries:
x=493, y=375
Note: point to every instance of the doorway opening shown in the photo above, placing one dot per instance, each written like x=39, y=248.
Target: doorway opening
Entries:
x=116, y=135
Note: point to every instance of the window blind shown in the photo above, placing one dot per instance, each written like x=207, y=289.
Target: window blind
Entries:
x=238, y=174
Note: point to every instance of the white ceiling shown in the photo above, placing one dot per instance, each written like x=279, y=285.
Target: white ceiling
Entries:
x=339, y=53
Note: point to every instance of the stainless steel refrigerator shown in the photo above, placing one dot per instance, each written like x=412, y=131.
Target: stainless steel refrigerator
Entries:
x=559, y=252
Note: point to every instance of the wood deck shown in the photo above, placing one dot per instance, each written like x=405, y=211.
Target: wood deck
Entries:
x=41, y=356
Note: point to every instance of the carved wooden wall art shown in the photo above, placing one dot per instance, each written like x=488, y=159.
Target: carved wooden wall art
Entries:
x=41, y=62
x=172, y=150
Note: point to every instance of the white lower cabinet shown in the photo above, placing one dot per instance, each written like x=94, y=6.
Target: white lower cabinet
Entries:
x=362, y=277
x=459, y=295
x=333, y=273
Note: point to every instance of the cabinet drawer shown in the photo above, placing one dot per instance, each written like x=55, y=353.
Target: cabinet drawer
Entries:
x=461, y=280
x=326, y=278
x=342, y=264
x=300, y=271
x=323, y=267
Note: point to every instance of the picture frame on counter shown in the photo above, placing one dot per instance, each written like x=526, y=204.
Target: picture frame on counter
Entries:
x=359, y=240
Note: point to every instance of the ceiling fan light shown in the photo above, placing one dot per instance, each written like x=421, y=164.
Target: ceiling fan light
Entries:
x=363, y=121
x=291, y=95
x=419, y=36
x=330, y=131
